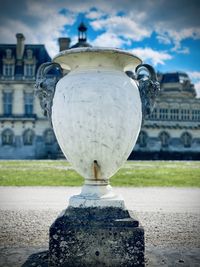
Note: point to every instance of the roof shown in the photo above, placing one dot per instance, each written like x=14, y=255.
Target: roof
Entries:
x=39, y=52
x=177, y=83
x=81, y=43
x=174, y=77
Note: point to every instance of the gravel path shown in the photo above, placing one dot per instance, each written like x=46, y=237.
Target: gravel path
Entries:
x=30, y=228
x=170, y=217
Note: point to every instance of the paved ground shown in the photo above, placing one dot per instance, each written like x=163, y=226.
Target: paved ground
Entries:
x=170, y=216
x=138, y=199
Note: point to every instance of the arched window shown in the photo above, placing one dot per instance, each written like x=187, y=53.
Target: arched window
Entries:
x=186, y=139
x=28, y=137
x=7, y=137
x=142, y=139
x=164, y=138
x=49, y=137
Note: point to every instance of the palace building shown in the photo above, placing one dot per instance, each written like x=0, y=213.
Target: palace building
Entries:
x=24, y=131
x=171, y=132
x=173, y=129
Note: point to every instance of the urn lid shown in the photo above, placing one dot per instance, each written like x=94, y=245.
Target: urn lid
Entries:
x=97, y=57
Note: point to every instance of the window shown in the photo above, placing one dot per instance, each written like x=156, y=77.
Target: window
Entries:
x=8, y=53
x=7, y=137
x=28, y=137
x=164, y=138
x=49, y=137
x=185, y=114
x=186, y=139
x=174, y=114
x=8, y=70
x=29, y=54
x=29, y=70
x=142, y=139
x=7, y=103
x=28, y=103
x=196, y=115
x=163, y=113
x=154, y=114
x=183, y=78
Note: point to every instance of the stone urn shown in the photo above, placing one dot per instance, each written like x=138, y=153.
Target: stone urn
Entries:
x=96, y=109
x=96, y=99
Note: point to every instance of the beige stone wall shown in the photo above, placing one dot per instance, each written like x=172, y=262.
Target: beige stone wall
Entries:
x=1, y=100
x=174, y=133
x=19, y=126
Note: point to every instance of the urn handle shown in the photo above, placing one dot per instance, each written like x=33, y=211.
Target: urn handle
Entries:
x=148, y=88
x=46, y=84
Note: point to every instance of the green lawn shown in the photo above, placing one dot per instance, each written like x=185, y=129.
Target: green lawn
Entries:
x=133, y=173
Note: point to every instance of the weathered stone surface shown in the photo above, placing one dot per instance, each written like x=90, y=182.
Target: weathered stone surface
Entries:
x=107, y=237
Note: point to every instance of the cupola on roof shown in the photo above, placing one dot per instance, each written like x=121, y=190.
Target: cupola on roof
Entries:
x=82, y=37
x=82, y=27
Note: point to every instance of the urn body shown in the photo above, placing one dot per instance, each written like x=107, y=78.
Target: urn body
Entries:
x=96, y=112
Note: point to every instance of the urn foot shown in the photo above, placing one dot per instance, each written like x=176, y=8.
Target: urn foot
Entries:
x=97, y=195
x=108, y=237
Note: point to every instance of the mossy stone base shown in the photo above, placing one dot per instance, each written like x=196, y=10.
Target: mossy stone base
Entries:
x=87, y=237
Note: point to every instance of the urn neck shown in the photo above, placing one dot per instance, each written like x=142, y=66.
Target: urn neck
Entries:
x=96, y=58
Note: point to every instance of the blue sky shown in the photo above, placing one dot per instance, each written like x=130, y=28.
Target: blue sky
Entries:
x=164, y=33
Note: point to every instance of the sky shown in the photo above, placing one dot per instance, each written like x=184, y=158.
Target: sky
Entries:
x=164, y=33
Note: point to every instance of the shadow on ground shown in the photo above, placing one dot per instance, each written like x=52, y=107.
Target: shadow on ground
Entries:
x=155, y=257
x=37, y=259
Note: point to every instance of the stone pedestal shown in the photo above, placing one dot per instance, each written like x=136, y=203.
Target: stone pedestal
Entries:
x=87, y=237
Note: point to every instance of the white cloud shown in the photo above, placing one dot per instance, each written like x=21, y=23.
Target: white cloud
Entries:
x=108, y=40
x=197, y=87
x=140, y=21
x=194, y=75
x=48, y=33
x=152, y=56
x=163, y=39
x=95, y=14
x=172, y=36
x=122, y=26
x=173, y=21
x=46, y=29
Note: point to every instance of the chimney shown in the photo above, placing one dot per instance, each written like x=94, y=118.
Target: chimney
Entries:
x=64, y=43
x=20, y=46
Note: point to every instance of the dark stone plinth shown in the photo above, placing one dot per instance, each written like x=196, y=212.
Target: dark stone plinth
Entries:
x=87, y=237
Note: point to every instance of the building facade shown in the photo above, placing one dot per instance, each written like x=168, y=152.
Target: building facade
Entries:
x=171, y=132
x=173, y=129
x=25, y=133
